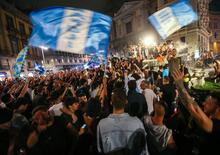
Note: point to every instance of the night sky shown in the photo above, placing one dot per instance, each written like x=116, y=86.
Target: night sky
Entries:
x=104, y=6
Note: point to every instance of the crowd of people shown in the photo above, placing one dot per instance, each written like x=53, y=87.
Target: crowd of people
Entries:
x=124, y=108
x=161, y=53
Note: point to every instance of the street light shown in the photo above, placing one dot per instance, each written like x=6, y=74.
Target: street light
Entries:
x=149, y=41
x=42, y=50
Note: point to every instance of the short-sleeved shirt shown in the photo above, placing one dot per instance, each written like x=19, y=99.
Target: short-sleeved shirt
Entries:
x=68, y=119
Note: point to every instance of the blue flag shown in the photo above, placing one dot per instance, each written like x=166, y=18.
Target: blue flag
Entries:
x=94, y=61
x=172, y=18
x=71, y=29
x=39, y=68
x=20, y=62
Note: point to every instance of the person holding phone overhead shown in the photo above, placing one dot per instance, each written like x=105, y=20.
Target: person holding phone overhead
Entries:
x=207, y=119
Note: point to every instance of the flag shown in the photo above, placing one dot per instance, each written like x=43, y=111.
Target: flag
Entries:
x=39, y=68
x=20, y=62
x=71, y=29
x=94, y=61
x=172, y=18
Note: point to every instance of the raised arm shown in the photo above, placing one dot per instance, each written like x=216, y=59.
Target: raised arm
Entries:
x=201, y=118
x=139, y=71
x=24, y=90
x=93, y=78
x=104, y=91
x=64, y=92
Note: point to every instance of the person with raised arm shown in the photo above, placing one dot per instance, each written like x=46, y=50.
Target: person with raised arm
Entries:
x=208, y=120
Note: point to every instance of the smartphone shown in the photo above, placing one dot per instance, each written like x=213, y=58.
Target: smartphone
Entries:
x=83, y=126
x=174, y=64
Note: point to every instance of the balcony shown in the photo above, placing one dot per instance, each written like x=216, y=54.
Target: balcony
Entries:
x=12, y=30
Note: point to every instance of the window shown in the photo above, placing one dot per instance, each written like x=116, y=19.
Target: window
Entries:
x=1, y=65
x=21, y=28
x=10, y=22
x=215, y=25
x=14, y=45
x=183, y=39
x=215, y=35
x=128, y=27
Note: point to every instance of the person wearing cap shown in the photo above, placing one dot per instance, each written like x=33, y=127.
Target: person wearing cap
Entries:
x=207, y=119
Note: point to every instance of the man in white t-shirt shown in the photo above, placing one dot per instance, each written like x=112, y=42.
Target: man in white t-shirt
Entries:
x=55, y=110
x=149, y=95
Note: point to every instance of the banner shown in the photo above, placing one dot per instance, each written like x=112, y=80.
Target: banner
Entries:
x=20, y=62
x=71, y=29
x=172, y=18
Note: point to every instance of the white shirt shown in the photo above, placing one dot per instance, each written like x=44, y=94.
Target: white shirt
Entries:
x=55, y=109
x=2, y=105
x=149, y=96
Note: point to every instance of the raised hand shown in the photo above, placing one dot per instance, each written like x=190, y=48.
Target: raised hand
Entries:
x=177, y=75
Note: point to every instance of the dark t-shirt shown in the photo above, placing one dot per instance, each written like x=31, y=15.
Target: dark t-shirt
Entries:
x=53, y=141
x=137, y=105
x=68, y=119
x=94, y=108
x=212, y=143
x=169, y=93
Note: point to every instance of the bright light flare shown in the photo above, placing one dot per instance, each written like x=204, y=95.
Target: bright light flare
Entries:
x=44, y=48
x=149, y=41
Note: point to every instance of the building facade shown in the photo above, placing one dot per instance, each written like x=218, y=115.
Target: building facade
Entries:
x=214, y=27
x=15, y=29
x=130, y=23
x=196, y=35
